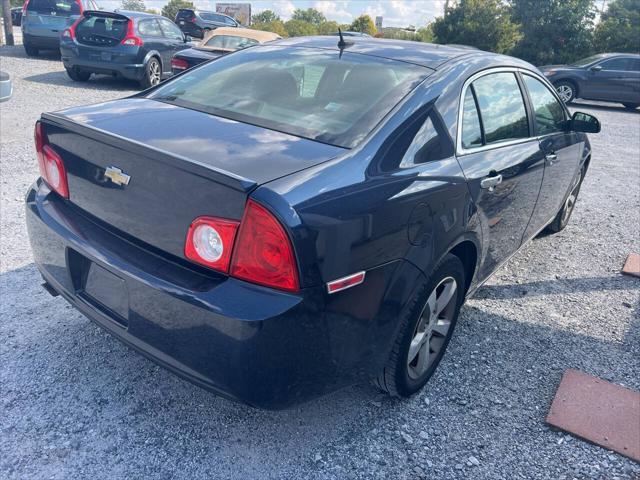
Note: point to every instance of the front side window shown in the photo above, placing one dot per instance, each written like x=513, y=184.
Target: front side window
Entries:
x=170, y=29
x=230, y=42
x=311, y=93
x=502, y=109
x=471, y=131
x=149, y=27
x=619, y=64
x=549, y=114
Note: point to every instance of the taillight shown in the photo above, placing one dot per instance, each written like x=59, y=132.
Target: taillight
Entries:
x=131, y=39
x=51, y=167
x=210, y=242
x=263, y=253
x=24, y=7
x=257, y=249
x=70, y=32
x=179, y=64
x=192, y=19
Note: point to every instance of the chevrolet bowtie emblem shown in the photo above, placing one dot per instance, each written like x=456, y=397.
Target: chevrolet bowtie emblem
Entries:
x=117, y=176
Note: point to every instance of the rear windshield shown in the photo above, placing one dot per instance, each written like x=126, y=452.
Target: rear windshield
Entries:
x=184, y=14
x=60, y=8
x=311, y=93
x=101, y=31
x=229, y=41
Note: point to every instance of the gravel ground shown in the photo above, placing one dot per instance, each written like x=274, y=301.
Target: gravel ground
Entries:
x=75, y=403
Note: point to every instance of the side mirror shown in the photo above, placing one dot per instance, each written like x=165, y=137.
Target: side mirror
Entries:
x=583, y=122
x=596, y=68
x=186, y=38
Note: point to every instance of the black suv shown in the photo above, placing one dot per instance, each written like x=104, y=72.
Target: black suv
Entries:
x=197, y=23
x=133, y=45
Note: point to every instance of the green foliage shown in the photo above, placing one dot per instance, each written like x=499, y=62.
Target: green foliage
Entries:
x=171, y=9
x=363, y=24
x=266, y=16
x=16, y=3
x=299, y=28
x=553, y=31
x=485, y=24
x=328, y=27
x=424, y=34
x=133, y=5
x=275, y=26
x=619, y=28
x=310, y=15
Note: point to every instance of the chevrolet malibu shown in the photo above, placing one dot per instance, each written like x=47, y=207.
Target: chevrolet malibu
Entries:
x=299, y=216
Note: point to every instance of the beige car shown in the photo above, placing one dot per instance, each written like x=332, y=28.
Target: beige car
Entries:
x=219, y=42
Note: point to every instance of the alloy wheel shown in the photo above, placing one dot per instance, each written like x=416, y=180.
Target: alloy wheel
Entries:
x=432, y=328
x=565, y=92
x=154, y=73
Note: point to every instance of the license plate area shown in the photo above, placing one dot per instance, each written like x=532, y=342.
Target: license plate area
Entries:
x=98, y=287
x=105, y=56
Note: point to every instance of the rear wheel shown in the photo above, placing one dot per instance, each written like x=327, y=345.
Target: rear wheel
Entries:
x=425, y=331
x=78, y=75
x=566, y=91
x=30, y=50
x=563, y=216
x=631, y=106
x=152, y=73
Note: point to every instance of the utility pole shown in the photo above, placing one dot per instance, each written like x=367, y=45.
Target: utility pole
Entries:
x=8, y=26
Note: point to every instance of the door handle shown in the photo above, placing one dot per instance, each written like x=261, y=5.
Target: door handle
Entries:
x=491, y=182
x=551, y=157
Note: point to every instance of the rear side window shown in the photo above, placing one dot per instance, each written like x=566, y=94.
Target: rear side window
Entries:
x=228, y=21
x=212, y=17
x=502, y=109
x=101, y=30
x=549, y=113
x=60, y=8
x=471, y=131
x=229, y=41
x=345, y=96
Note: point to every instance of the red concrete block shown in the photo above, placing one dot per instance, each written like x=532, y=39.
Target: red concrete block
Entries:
x=632, y=265
x=598, y=411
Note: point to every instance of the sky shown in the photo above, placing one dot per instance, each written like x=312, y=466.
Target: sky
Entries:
x=395, y=13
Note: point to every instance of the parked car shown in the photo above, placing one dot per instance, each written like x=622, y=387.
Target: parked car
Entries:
x=132, y=45
x=351, y=34
x=219, y=42
x=43, y=20
x=610, y=77
x=16, y=16
x=294, y=217
x=197, y=23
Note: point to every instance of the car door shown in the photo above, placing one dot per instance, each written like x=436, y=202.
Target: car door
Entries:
x=560, y=147
x=632, y=80
x=501, y=160
x=608, y=80
x=174, y=41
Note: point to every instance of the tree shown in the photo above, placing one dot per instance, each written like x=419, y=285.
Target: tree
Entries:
x=16, y=3
x=553, y=31
x=170, y=10
x=363, y=24
x=619, y=28
x=325, y=28
x=265, y=16
x=299, y=28
x=310, y=15
x=134, y=5
x=275, y=26
x=484, y=24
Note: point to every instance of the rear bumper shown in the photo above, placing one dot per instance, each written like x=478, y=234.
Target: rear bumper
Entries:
x=71, y=59
x=46, y=42
x=252, y=344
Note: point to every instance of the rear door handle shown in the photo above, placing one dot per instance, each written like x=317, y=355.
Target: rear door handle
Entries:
x=551, y=157
x=490, y=182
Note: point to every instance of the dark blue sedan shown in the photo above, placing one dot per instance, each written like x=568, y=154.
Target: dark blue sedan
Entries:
x=297, y=217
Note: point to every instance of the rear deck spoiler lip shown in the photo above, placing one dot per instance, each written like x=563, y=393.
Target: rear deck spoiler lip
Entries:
x=215, y=174
x=105, y=14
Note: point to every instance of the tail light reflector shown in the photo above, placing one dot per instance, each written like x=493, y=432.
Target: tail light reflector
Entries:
x=179, y=64
x=51, y=166
x=131, y=39
x=257, y=249
x=71, y=31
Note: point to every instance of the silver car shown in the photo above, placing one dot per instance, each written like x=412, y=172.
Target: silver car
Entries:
x=44, y=20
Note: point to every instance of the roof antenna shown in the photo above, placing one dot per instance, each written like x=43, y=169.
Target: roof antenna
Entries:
x=341, y=43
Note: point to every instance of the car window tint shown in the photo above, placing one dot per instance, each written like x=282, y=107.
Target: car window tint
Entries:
x=634, y=65
x=101, y=31
x=471, y=132
x=229, y=21
x=170, y=29
x=620, y=64
x=59, y=8
x=149, y=27
x=261, y=85
x=549, y=113
x=230, y=41
x=185, y=14
x=501, y=107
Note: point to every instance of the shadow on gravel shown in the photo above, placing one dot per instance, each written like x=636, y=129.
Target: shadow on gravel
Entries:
x=96, y=82
x=614, y=107
x=558, y=286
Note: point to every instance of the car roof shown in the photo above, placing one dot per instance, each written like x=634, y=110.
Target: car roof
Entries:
x=424, y=54
x=259, y=35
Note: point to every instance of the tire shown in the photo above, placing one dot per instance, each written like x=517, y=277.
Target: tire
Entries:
x=566, y=91
x=78, y=75
x=30, y=50
x=152, y=73
x=631, y=106
x=403, y=376
x=562, y=218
